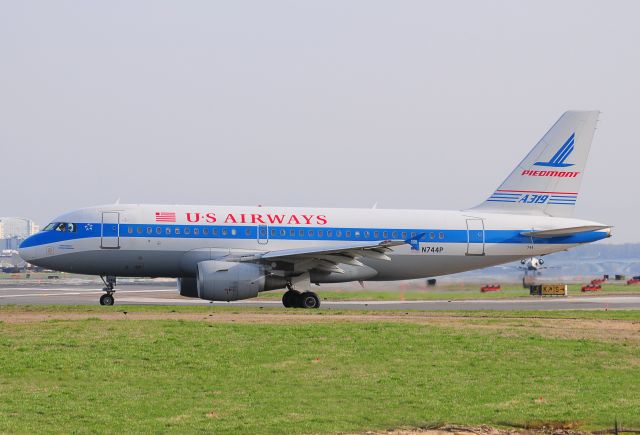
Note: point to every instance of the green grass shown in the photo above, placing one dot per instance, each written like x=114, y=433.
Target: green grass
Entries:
x=451, y=292
x=185, y=376
x=170, y=309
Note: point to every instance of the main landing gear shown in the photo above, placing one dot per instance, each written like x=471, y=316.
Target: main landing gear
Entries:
x=295, y=299
x=110, y=283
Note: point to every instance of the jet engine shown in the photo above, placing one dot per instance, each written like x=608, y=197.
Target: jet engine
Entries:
x=229, y=281
x=188, y=287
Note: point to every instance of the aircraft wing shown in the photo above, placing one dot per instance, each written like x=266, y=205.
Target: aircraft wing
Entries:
x=328, y=258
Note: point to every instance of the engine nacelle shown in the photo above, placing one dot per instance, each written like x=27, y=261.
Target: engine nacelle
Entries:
x=188, y=287
x=229, y=281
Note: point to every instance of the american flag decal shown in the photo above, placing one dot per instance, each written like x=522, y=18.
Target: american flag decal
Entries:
x=164, y=216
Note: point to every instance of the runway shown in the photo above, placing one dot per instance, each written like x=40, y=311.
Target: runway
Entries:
x=158, y=294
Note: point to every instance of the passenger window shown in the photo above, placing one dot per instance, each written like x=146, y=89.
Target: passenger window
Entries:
x=347, y=234
x=320, y=233
x=224, y=232
x=130, y=230
x=338, y=233
x=273, y=233
x=247, y=232
x=367, y=234
x=432, y=236
x=187, y=230
x=329, y=233
x=214, y=231
x=376, y=234
x=177, y=230
x=196, y=231
x=167, y=231
x=356, y=233
x=413, y=235
x=205, y=231
x=310, y=233
x=385, y=234
x=158, y=230
x=301, y=233
x=394, y=234
x=283, y=232
x=292, y=233
x=234, y=231
x=441, y=236
x=139, y=230
x=404, y=235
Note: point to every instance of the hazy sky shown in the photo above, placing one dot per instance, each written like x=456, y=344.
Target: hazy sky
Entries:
x=410, y=104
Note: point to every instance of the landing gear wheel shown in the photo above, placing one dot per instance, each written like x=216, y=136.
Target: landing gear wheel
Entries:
x=291, y=299
x=309, y=300
x=107, y=299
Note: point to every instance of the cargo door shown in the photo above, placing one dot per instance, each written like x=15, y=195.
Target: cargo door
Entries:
x=475, y=236
x=110, y=234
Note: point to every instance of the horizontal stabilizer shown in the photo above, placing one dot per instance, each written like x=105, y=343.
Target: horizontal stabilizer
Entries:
x=560, y=232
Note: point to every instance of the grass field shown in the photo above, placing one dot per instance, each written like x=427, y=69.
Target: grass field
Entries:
x=450, y=292
x=175, y=369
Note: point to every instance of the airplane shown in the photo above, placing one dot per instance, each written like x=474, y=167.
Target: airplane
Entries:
x=533, y=265
x=227, y=253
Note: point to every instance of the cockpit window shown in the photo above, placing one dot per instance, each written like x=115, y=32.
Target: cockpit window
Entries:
x=64, y=227
x=49, y=227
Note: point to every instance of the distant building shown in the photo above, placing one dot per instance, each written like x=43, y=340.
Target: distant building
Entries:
x=14, y=230
x=17, y=227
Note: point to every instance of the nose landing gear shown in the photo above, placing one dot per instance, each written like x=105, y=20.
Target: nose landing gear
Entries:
x=110, y=283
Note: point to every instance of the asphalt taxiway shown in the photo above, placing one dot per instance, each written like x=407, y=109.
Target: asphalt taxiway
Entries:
x=166, y=294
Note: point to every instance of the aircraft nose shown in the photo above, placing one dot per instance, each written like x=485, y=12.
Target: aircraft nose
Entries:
x=26, y=250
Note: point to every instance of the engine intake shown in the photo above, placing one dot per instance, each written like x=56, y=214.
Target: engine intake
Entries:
x=229, y=281
x=188, y=287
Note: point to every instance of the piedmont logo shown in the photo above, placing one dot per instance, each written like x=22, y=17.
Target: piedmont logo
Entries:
x=558, y=159
x=560, y=174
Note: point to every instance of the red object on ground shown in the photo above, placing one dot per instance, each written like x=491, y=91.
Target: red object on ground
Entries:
x=490, y=288
x=591, y=288
x=633, y=281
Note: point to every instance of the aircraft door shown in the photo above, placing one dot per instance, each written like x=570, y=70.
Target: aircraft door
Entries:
x=110, y=233
x=475, y=236
x=263, y=234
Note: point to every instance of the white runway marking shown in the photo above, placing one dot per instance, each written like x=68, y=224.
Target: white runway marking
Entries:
x=65, y=292
x=595, y=300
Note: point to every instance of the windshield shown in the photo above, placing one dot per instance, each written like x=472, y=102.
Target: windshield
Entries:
x=64, y=227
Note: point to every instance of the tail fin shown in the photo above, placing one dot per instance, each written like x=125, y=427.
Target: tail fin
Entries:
x=547, y=181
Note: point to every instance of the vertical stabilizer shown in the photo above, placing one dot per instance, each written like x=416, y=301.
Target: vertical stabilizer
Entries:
x=548, y=180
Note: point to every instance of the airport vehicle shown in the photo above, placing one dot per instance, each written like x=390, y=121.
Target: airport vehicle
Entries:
x=225, y=253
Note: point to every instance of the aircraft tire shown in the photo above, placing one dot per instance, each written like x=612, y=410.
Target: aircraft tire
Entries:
x=291, y=299
x=309, y=300
x=106, y=299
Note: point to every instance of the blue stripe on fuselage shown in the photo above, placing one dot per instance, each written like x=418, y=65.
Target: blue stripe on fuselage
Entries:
x=94, y=230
